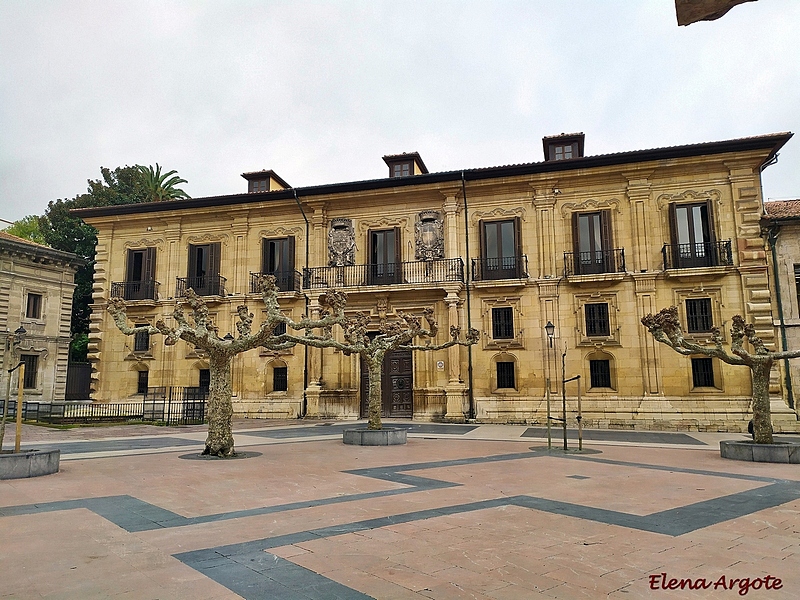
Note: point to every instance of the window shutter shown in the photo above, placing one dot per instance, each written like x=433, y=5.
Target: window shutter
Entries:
x=264, y=255
x=605, y=226
x=673, y=235
x=482, y=252
x=129, y=272
x=576, y=246
x=214, y=259
x=518, y=261
x=710, y=234
x=398, y=249
x=149, y=271
x=192, y=268
x=289, y=261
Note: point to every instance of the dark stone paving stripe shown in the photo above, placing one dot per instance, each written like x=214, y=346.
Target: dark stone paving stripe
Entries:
x=649, y=437
x=111, y=445
x=318, y=430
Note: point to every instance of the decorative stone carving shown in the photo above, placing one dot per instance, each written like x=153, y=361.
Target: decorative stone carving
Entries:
x=429, y=235
x=341, y=243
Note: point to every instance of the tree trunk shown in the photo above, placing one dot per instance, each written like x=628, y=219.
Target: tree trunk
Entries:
x=375, y=366
x=220, y=410
x=762, y=422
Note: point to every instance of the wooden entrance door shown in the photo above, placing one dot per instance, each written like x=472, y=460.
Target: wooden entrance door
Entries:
x=397, y=384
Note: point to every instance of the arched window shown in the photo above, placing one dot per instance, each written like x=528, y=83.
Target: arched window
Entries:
x=505, y=376
x=602, y=371
x=279, y=382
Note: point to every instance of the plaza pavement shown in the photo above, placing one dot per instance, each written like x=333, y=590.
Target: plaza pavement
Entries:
x=480, y=512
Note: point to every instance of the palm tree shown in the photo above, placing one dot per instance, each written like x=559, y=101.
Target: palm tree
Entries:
x=162, y=187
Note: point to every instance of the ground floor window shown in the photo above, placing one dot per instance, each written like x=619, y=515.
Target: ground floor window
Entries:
x=280, y=379
x=31, y=362
x=505, y=375
x=142, y=381
x=703, y=372
x=600, y=373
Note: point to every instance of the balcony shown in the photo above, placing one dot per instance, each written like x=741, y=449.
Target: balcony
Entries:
x=701, y=254
x=285, y=281
x=135, y=290
x=433, y=271
x=492, y=269
x=594, y=263
x=207, y=285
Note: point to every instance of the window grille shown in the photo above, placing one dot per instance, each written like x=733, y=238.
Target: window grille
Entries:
x=142, y=382
x=280, y=379
x=702, y=372
x=141, y=341
x=597, y=319
x=505, y=375
x=698, y=315
x=31, y=370
x=503, y=323
x=600, y=373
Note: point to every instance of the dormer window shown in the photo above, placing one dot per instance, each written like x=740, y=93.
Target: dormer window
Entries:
x=403, y=169
x=563, y=147
x=405, y=164
x=259, y=186
x=264, y=181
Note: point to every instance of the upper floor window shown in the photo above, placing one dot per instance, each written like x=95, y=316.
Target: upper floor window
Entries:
x=203, y=272
x=402, y=169
x=141, y=341
x=33, y=309
x=692, y=236
x=501, y=252
x=384, y=256
x=698, y=315
x=503, y=323
x=592, y=243
x=597, y=322
x=259, y=185
x=560, y=152
x=797, y=283
x=277, y=259
x=140, y=274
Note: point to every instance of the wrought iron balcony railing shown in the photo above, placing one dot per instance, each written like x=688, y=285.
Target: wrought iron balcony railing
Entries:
x=509, y=267
x=207, y=285
x=286, y=281
x=592, y=263
x=432, y=271
x=135, y=290
x=701, y=254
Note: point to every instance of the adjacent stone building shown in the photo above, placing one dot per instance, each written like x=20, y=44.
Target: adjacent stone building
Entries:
x=36, y=286
x=582, y=246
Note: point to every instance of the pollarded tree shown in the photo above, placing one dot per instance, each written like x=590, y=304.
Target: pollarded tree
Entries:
x=666, y=328
x=203, y=334
x=393, y=335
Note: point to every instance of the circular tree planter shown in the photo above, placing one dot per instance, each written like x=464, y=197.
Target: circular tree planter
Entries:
x=29, y=463
x=388, y=436
x=778, y=452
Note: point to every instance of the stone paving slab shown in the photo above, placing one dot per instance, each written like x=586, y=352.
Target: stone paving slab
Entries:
x=452, y=517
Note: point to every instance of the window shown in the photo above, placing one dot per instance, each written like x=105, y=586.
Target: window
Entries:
x=205, y=379
x=500, y=250
x=592, y=244
x=280, y=329
x=505, y=375
x=692, y=235
x=698, y=315
x=402, y=169
x=141, y=341
x=503, y=323
x=31, y=362
x=702, y=372
x=203, y=276
x=597, y=323
x=34, y=308
x=600, y=373
x=384, y=256
x=280, y=379
x=562, y=152
x=259, y=186
x=142, y=381
x=140, y=275
x=277, y=258
x=797, y=283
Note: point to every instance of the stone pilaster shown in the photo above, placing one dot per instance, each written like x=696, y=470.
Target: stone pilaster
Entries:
x=455, y=391
x=641, y=234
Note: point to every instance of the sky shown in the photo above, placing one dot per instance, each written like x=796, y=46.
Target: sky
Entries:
x=320, y=91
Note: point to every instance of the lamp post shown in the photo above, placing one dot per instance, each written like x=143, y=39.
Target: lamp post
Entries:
x=12, y=341
x=550, y=330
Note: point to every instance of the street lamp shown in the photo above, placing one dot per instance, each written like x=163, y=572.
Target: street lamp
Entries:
x=19, y=334
x=550, y=330
x=228, y=337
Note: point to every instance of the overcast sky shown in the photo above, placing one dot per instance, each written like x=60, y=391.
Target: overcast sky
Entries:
x=320, y=91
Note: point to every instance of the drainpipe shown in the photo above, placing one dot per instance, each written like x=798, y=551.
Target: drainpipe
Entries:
x=304, y=408
x=773, y=238
x=467, y=268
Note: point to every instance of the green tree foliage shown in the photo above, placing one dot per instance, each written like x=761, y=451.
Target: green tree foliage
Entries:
x=64, y=231
x=27, y=228
x=161, y=187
